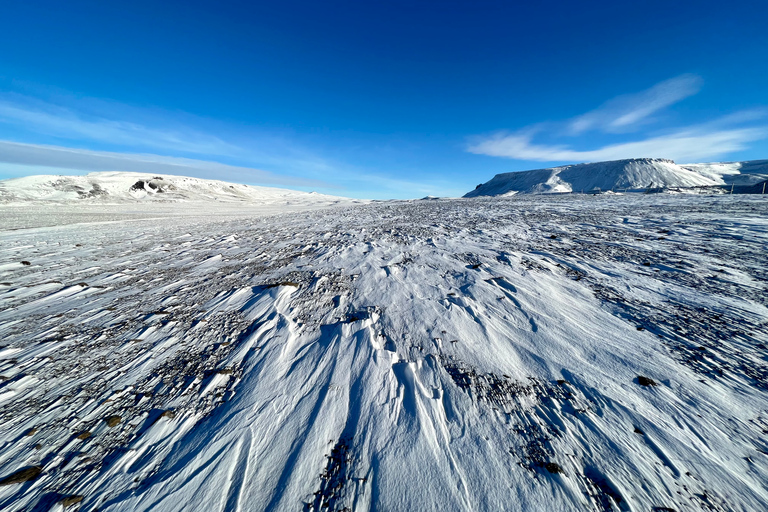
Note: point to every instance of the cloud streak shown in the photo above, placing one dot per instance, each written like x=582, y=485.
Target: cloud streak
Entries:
x=97, y=161
x=626, y=112
x=685, y=145
x=130, y=131
x=713, y=139
x=61, y=122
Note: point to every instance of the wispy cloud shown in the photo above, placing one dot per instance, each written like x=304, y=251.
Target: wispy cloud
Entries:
x=137, y=138
x=96, y=161
x=685, y=145
x=104, y=124
x=626, y=112
x=67, y=123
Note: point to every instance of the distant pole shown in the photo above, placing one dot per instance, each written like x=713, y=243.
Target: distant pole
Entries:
x=764, y=186
x=732, y=188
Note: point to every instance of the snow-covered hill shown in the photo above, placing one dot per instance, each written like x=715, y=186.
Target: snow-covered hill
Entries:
x=128, y=187
x=632, y=174
x=558, y=353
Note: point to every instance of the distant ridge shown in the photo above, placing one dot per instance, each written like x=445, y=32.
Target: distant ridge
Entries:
x=617, y=175
x=129, y=187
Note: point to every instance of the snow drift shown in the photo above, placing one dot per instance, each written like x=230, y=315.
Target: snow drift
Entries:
x=541, y=354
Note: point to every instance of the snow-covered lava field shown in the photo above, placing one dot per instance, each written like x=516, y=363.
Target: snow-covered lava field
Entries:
x=590, y=353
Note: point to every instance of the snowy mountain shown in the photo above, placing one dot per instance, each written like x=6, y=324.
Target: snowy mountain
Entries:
x=555, y=353
x=736, y=173
x=128, y=187
x=632, y=174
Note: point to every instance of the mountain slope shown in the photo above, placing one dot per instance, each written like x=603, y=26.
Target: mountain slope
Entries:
x=737, y=173
x=632, y=174
x=128, y=187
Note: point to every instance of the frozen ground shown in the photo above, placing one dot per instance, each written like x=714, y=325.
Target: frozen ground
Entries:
x=484, y=354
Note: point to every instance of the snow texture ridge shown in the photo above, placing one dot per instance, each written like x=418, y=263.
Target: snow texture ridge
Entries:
x=637, y=174
x=565, y=353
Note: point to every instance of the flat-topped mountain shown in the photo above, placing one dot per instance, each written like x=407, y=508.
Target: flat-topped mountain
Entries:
x=636, y=174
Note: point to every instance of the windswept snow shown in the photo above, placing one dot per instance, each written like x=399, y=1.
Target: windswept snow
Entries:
x=129, y=187
x=541, y=354
x=633, y=174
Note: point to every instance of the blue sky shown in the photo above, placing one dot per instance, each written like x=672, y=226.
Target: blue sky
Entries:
x=383, y=100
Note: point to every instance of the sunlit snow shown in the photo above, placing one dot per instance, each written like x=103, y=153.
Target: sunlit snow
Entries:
x=530, y=353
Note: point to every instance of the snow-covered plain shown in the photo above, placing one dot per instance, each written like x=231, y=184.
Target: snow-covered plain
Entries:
x=483, y=354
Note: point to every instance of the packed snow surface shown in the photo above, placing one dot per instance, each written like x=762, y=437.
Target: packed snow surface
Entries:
x=603, y=353
x=130, y=187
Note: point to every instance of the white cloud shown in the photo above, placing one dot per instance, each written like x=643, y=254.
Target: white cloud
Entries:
x=95, y=161
x=685, y=145
x=625, y=113
x=49, y=119
x=119, y=127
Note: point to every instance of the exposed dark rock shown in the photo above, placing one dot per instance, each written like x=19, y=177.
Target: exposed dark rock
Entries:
x=553, y=467
x=112, y=421
x=283, y=283
x=22, y=475
x=71, y=500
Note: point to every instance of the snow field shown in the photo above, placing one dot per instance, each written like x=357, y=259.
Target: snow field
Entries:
x=482, y=354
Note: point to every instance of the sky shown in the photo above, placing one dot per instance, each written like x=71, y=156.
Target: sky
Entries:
x=377, y=100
